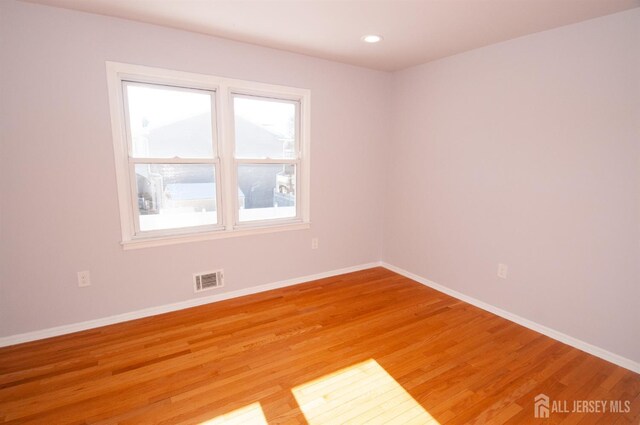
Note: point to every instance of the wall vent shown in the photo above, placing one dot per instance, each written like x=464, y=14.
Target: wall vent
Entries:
x=207, y=280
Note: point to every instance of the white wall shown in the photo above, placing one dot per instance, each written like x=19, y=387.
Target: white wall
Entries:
x=527, y=153
x=58, y=187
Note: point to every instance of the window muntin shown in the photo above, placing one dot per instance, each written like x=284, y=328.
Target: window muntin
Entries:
x=215, y=206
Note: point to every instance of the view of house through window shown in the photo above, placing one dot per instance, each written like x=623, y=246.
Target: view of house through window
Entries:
x=172, y=150
x=266, y=157
x=187, y=170
x=175, y=195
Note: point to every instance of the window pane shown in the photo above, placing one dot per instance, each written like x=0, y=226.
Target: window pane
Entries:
x=175, y=195
x=168, y=122
x=267, y=191
x=264, y=128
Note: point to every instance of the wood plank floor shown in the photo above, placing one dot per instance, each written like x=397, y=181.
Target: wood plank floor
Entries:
x=365, y=347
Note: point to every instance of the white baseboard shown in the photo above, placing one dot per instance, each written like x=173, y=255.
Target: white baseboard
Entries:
x=90, y=324
x=152, y=311
x=552, y=333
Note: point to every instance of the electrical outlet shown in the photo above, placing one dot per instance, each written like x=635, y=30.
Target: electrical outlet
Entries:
x=84, y=278
x=314, y=243
x=502, y=271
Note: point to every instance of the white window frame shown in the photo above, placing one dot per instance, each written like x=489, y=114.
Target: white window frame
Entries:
x=226, y=163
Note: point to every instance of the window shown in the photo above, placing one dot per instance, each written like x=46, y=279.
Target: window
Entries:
x=200, y=157
x=266, y=155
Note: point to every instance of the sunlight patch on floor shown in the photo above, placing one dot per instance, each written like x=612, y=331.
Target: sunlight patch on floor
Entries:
x=362, y=393
x=251, y=414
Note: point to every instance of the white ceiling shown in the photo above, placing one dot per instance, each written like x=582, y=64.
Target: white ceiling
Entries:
x=414, y=31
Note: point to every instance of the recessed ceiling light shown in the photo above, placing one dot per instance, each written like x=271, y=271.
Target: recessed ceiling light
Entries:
x=371, y=38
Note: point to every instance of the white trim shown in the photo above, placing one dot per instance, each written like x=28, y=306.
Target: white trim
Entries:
x=120, y=151
x=303, y=174
x=206, y=236
x=152, y=311
x=227, y=168
x=267, y=161
x=551, y=333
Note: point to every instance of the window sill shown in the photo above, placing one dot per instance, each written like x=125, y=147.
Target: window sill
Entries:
x=205, y=236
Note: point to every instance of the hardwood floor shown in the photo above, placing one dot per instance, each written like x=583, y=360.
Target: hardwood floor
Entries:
x=366, y=347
